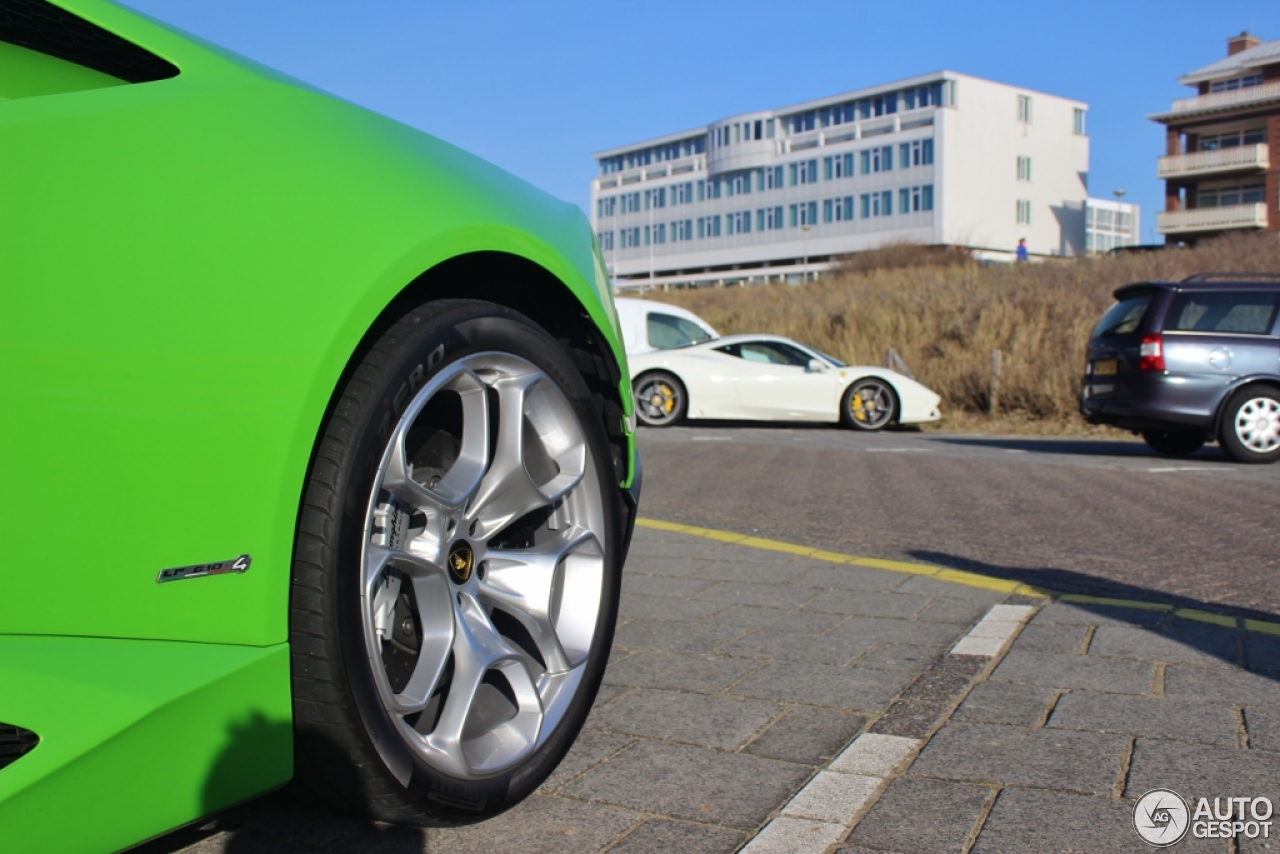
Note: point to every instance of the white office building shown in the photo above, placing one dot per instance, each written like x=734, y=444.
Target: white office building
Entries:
x=1110, y=224
x=941, y=159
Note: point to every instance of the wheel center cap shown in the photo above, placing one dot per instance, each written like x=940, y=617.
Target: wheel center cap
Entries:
x=461, y=560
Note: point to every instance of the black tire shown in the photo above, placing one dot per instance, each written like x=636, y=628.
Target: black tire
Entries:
x=869, y=404
x=1250, y=429
x=1174, y=443
x=351, y=749
x=661, y=399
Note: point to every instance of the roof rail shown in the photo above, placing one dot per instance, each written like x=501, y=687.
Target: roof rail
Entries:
x=1231, y=277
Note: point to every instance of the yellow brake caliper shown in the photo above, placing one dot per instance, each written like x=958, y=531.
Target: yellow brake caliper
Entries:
x=668, y=398
x=855, y=406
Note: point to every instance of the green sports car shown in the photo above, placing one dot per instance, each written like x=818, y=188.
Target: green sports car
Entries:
x=316, y=448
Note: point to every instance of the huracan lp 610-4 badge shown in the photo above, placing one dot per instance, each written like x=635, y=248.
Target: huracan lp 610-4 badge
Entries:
x=222, y=567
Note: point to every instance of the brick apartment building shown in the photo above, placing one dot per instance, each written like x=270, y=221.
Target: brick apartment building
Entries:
x=1222, y=154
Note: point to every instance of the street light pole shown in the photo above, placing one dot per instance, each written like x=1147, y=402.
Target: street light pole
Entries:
x=1119, y=194
x=805, y=269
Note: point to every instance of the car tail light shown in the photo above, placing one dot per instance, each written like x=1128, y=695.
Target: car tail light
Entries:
x=1151, y=353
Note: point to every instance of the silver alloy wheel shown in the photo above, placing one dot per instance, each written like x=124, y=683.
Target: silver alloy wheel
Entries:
x=1257, y=425
x=871, y=405
x=483, y=565
x=658, y=401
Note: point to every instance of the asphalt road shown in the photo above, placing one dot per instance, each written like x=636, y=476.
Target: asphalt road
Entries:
x=1101, y=517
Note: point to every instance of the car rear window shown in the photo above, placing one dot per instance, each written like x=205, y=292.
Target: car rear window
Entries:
x=1123, y=318
x=667, y=331
x=1239, y=312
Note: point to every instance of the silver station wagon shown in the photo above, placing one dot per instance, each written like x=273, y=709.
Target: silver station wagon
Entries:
x=1191, y=362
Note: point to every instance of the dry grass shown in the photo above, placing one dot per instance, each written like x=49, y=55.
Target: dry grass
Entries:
x=945, y=316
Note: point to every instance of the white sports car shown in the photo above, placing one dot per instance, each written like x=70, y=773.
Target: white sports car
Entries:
x=769, y=378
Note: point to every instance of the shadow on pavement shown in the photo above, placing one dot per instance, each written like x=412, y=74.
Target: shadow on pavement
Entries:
x=1252, y=650
x=1082, y=448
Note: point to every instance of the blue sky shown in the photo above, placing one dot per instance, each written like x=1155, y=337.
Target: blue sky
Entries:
x=537, y=87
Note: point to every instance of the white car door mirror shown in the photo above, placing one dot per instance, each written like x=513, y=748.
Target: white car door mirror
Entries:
x=816, y=366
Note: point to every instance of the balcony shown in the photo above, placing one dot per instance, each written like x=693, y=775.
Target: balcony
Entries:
x=1252, y=215
x=1244, y=157
x=1220, y=102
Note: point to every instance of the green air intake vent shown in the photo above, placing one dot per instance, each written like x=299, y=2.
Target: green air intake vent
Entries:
x=15, y=742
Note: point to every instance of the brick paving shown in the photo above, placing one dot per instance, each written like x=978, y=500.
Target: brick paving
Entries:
x=731, y=690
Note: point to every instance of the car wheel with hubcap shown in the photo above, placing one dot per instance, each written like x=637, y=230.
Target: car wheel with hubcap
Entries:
x=868, y=404
x=1174, y=443
x=1250, y=431
x=660, y=399
x=457, y=568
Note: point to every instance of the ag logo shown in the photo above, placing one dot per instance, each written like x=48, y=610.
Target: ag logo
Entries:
x=1161, y=817
x=460, y=559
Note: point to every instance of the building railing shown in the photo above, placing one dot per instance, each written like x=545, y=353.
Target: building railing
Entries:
x=1227, y=100
x=1253, y=215
x=1221, y=160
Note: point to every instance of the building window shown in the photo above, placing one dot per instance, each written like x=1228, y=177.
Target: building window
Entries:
x=708, y=226
x=657, y=232
x=630, y=237
x=1024, y=109
x=606, y=240
x=655, y=198
x=838, y=166
x=630, y=202
x=877, y=204
x=769, y=218
x=1223, y=196
x=606, y=206
x=917, y=153
x=877, y=160
x=1231, y=139
x=681, y=229
x=837, y=210
x=1024, y=212
x=804, y=172
x=738, y=223
x=1078, y=125
x=926, y=197
x=682, y=194
x=739, y=184
x=1024, y=168
x=804, y=214
x=915, y=199
x=1236, y=83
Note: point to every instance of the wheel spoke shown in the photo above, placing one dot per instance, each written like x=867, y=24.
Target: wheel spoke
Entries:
x=531, y=429
x=529, y=585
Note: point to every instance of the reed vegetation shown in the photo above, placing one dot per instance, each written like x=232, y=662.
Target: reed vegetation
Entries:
x=944, y=314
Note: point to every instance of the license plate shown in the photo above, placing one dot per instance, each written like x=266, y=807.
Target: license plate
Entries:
x=1104, y=368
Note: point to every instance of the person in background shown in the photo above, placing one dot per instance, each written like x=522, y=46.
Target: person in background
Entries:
x=1022, y=248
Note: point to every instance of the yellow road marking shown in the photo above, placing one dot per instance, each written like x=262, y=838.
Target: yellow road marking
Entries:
x=953, y=576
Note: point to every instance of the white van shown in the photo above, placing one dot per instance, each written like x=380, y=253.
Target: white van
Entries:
x=648, y=326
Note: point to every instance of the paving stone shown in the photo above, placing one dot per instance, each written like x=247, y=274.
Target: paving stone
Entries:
x=539, y=824
x=1262, y=652
x=795, y=646
x=870, y=604
x=803, y=622
x=1195, y=771
x=922, y=815
x=720, y=722
x=1005, y=703
x=665, y=544
x=675, y=636
x=1205, y=645
x=931, y=696
x=750, y=571
x=1088, y=672
x=734, y=553
x=818, y=684
x=1220, y=685
x=979, y=646
x=1099, y=615
x=1263, y=724
x=786, y=835
x=907, y=632
x=678, y=837
x=954, y=611
x=899, y=657
x=1036, y=820
x=607, y=693
x=808, y=735
x=735, y=790
x=1019, y=756
x=281, y=815
x=657, y=585
x=764, y=595
x=949, y=589
x=844, y=577
x=1146, y=716
x=1048, y=637
x=666, y=567
x=589, y=750
x=698, y=673
x=666, y=608
x=832, y=797
x=874, y=755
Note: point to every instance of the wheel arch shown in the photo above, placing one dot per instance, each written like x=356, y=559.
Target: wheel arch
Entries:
x=1220, y=409
x=893, y=390
x=635, y=382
